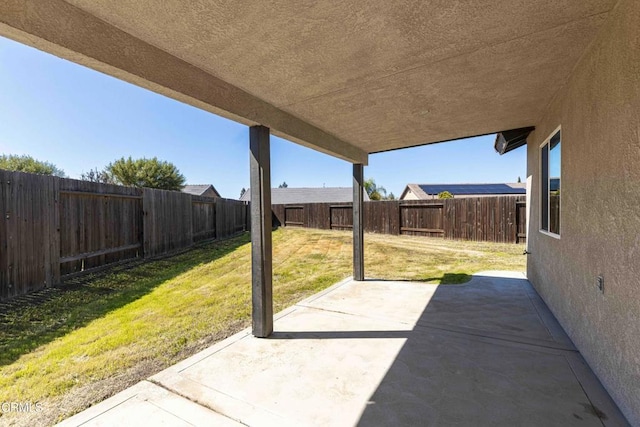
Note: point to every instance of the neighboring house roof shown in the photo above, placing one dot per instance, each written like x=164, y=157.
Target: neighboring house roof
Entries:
x=201, y=190
x=416, y=190
x=427, y=191
x=287, y=196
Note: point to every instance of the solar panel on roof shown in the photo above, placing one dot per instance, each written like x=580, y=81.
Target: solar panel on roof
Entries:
x=462, y=189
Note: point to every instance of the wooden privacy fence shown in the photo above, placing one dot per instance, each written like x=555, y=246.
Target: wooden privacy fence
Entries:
x=52, y=227
x=492, y=219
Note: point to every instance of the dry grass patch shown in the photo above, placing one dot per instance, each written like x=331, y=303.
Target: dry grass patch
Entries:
x=75, y=346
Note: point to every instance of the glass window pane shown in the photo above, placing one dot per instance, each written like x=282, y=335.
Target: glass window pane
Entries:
x=554, y=156
x=554, y=184
x=544, y=185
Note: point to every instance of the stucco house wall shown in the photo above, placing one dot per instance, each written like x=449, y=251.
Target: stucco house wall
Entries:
x=599, y=112
x=409, y=196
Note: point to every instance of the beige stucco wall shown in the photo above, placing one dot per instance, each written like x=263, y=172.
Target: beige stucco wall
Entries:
x=410, y=196
x=599, y=111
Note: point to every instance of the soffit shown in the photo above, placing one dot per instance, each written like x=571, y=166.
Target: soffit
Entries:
x=377, y=74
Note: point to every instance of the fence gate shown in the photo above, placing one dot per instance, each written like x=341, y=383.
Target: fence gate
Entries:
x=341, y=217
x=422, y=219
x=294, y=215
x=521, y=221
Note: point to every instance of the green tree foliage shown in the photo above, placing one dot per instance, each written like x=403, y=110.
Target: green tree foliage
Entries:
x=283, y=185
x=374, y=191
x=13, y=162
x=445, y=195
x=151, y=173
x=95, y=175
x=244, y=190
x=377, y=192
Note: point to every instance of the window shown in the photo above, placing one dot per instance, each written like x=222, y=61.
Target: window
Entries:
x=550, y=184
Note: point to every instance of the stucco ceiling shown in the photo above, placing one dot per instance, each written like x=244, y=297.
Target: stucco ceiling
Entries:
x=348, y=78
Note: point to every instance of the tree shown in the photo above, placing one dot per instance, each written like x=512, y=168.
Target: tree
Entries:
x=151, y=173
x=283, y=185
x=519, y=180
x=445, y=195
x=14, y=162
x=374, y=191
x=391, y=196
x=244, y=190
x=95, y=175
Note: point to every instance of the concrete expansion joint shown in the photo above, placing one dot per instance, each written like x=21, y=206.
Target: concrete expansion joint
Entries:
x=186, y=396
x=327, y=310
x=499, y=339
x=502, y=338
x=547, y=319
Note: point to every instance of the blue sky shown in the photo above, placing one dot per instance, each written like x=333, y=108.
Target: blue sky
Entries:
x=79, y=119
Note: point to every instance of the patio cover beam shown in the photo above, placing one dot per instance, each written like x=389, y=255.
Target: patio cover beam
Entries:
x=358, y=229
x=64, y=30
x=261, y=250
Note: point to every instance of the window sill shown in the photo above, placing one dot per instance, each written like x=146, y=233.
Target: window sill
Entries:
x=547, y=233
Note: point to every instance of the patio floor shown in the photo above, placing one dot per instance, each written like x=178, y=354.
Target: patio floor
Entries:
x=382, y=353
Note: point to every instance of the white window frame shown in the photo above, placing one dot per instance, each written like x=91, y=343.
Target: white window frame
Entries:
x=540, y=198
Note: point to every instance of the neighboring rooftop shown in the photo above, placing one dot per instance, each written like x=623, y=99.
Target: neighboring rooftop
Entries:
x=286, y=196
x=429, y=191
x=206, y=190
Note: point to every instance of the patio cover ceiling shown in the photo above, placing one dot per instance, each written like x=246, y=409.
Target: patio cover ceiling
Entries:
x=345, y=78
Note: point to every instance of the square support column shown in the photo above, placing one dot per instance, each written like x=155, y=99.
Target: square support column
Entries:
x=261, y=256
x=358, y=226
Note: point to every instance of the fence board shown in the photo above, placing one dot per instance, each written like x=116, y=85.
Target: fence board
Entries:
x=381, y=217
x=203, y=218
x=495, y=219
x=319, y=216
x=341, y=217
x=27, y=260
x=422, y=219
x=53, y=227
x=520, y=222
x=95, y=219
x=167, y=221
x=46, y=220
x=231, y=217
x=294, y=215
x=4, y=260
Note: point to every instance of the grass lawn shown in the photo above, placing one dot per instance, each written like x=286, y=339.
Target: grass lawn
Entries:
x=70, y=348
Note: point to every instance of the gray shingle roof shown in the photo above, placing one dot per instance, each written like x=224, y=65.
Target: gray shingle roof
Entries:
x=198, y=190
x=287, y=196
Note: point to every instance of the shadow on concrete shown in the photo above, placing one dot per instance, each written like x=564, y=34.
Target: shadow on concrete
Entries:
x=486, y=354
x=386, y=353
x=445, y=279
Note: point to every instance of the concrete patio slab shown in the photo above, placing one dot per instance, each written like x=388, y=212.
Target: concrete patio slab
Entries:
x=384, y=353
x=146, y=404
